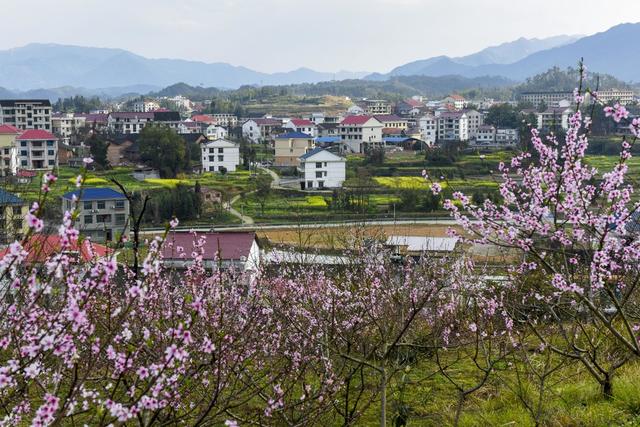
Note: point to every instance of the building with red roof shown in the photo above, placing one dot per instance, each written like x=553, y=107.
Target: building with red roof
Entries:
x=37, y=149
x=230, y=250
x=261, y=129
x=302, y=125
x=358, y=131
x=41, y=247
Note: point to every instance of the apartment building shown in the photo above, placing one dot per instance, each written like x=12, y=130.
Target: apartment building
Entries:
x=321, y=169
x=65, y=125
x=220, y=155
x=622, y=96
x=356, y=131
x=104, y=213
x=549, y=98
x=37, y=149
x=453, y=126
x=290, y=146
x=391, y=121
x=26, y=113
x=490, y=137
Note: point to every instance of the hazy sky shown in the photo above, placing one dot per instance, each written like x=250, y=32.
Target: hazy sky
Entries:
x=327, y=35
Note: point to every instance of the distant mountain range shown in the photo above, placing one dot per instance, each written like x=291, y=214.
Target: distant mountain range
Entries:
x=605, y=52
x=52, y=65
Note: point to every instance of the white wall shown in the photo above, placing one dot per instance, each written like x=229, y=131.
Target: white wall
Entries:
x=220, y=153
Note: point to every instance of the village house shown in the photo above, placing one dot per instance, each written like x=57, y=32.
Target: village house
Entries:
x=103, y=212
x=356, y=131
x=290, y=146
x=475, y=119
x=321, y=169
x=554, y=118
x=214, y=132
x=391, y=121
x=65, y=125
x=41, y=247
x=456, y=101
x=220, y=155
x=303, y=126
x=26, y=113
x=376, y=106
x=12, y=212
x=120, y=150
x=128, y=121
x=258, y=130
x=428, y=126
x=226, y=120
x=145, y=106
x=410, y=107
x=8, y=149
x=37, y=149
x=453, y=126
x=237, y=251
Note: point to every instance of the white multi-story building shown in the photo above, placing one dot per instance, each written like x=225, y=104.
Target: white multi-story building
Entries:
x=453, y=126
x=554, y=118
x=37, y=149
x=214, y=132
x=355, y=131
x=8, y=149
x=376, y=106
x=145, y=106
x=302, y=125
x=257, y=130
x=65, y=125
x=549, y=98
x=125, y=122
x=227, y=120
x=488, y=136
x=220, y=154
x=320, y=169
x=475, y=119
x=26, y=113
x=622, y=96
x=428, y=125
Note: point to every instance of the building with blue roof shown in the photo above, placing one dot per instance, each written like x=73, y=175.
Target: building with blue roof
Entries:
x=104, y=212
x=12, y=212
x=290, y=146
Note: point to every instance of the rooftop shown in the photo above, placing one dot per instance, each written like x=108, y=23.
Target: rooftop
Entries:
x=40, y=247
x=302, y=122
x=218, y=245
x=290, y=135
x=355, y=120
x=95, y=194
x=424, y=244
x=9, y=130
x=7, y=198
x=31, y=134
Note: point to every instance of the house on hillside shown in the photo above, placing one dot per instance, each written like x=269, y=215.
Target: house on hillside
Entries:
x=410, y=108
x=104, y=212
x=290, y=146
x=321, y=169
x=220, y=155
x=128, y=121
x=237, y=251
x=37, y=149
x=456, y=101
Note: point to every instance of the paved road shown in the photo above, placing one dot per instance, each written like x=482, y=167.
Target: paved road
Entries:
x=246, y=220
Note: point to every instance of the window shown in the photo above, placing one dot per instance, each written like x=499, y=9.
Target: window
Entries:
x=24, y=163
x=220, y=150
x=88, y=219
x=221, y=158
x=318, y=174
x=212, y=168
x=24, y=153
x=49, y=143
x=103, y=218
x=87, y=205
x=212, y=150
x=52, y=162
x=50, y=153
x=6, y=151
x=119, y=204
x=101, y=204
x=17, y=210
x=318, y=164
x=120, y=218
